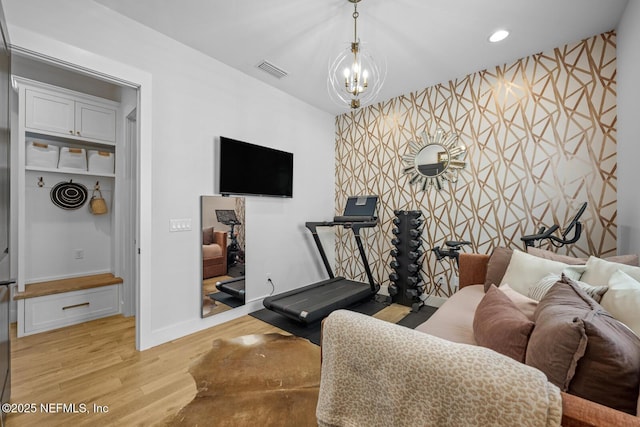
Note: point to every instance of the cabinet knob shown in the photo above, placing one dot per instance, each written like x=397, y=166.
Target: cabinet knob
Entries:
x=71, y=132
x=78, y=133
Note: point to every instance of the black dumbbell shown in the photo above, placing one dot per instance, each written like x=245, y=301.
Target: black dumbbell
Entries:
x=414, y=281
x=413, y=244
x=411, y=293
x=415, y=222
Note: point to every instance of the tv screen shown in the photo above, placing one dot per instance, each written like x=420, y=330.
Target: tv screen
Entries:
x=249, y=169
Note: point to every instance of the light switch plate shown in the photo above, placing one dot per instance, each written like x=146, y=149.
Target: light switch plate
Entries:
x=183, y=224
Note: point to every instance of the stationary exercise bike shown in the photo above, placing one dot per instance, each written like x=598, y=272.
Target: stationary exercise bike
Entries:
x=452, y=252
x=234, y=252
x=235, y=256
x=557, y=241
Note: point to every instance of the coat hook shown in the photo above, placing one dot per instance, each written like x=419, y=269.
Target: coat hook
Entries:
x=40, y=182
x=97, y=187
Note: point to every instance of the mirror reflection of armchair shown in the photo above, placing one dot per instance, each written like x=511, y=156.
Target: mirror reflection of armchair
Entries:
x=214, y=253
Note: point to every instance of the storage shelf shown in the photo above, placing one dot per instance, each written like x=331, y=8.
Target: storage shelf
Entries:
x=69, y=171
x=59, y=286
x=40, y=136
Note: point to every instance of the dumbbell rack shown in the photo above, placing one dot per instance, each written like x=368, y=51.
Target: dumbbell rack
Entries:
x=407, y=286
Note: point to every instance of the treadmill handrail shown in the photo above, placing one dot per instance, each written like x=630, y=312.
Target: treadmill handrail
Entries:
x=355, y=227
x=311, y=225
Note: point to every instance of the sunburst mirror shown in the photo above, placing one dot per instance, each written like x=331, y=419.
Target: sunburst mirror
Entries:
x=436, y=158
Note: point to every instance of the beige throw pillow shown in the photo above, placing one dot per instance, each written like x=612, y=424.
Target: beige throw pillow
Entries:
x=622, y=300
x=599, y=271
x=524, y=271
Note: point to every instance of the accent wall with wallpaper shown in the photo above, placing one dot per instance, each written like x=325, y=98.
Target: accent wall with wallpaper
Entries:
x=541, y=140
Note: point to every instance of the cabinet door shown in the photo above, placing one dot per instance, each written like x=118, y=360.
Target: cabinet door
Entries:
x=49, y=113
x=95, y=122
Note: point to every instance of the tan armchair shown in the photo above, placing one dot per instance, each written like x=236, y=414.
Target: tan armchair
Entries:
x=214, y=253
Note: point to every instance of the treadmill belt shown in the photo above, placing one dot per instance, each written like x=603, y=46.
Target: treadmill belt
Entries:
x=316, y=301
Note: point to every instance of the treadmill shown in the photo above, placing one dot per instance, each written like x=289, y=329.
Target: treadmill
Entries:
x=314, y=302
x=234, y=287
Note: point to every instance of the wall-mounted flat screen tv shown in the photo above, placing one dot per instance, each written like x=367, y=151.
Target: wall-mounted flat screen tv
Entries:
x=249, y=169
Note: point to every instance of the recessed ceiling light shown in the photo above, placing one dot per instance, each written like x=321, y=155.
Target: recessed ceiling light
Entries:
x=498, y=36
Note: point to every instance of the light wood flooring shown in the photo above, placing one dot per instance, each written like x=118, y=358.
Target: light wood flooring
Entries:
x=95, y=363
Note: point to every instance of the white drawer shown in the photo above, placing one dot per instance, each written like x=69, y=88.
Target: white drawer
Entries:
x=58, y=310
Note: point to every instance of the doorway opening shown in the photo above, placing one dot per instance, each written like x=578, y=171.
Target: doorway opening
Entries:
x=126, y=212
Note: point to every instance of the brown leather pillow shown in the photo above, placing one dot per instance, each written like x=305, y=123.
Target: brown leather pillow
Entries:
x=583, y=350
x=498, y=324
x=497, y=266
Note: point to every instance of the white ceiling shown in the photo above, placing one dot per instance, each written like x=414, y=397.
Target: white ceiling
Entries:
x=425, y=42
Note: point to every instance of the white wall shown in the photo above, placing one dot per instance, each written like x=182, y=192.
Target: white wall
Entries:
x=628, y=61
x=54, y=235
x=189, y=99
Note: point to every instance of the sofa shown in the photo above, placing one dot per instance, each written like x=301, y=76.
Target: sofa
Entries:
x=494, y=319
x=214, y=253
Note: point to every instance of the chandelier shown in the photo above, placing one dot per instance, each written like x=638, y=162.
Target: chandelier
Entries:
x=355, y=78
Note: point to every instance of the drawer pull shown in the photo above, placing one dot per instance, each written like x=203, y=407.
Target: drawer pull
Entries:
x=84, y=304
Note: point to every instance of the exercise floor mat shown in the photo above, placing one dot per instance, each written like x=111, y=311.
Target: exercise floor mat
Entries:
x=412, y=320
x=312, y=331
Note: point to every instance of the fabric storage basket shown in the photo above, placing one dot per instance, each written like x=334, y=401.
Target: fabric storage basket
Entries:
x=41, y=154
x=72, y=158
x=100, y=161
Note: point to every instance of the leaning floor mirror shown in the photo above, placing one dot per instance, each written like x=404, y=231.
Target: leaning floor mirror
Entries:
x=222, y=254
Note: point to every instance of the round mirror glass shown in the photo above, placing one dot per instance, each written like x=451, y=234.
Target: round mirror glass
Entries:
x=432, y=160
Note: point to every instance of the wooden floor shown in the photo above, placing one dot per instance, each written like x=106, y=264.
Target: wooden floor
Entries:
x=96, y=363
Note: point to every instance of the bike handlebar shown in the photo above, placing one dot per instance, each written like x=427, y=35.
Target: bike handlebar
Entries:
x=555, y=240
x=542, y=234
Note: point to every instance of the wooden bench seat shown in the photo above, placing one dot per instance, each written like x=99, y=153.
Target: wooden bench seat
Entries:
x=59, y=286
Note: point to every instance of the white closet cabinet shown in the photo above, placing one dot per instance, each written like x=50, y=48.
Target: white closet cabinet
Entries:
x=56, y=114
x=68, y=270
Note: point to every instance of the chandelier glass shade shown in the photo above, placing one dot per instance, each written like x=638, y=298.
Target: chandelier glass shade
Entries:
x=355, y=77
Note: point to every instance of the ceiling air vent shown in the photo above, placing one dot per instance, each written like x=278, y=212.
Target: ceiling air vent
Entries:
x=269, y=68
